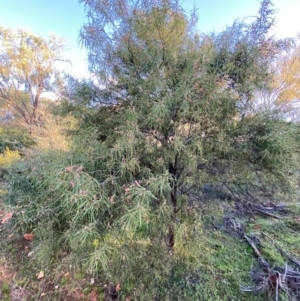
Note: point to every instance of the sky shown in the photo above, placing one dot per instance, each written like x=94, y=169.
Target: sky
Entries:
x=65, y=18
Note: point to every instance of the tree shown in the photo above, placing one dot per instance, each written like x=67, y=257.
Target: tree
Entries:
x=166, y=130
x=283, y=94
x=27, y=70
x=180, y=100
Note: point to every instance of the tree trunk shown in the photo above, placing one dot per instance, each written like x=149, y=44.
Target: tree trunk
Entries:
x=173, y=172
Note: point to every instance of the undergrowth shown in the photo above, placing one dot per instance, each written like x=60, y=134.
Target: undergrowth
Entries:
x=14, y=138
x=8, y=157
x=57, y=197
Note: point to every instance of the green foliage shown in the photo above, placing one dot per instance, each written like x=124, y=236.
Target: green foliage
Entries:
x=14, y=138
x=5, y=288
x=5, y=292
x=122, y=238
x=169, y=123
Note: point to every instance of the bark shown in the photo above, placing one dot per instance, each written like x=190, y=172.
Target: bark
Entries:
x=173, y=197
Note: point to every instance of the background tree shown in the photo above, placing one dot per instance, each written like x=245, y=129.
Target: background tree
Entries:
x=283, y=94
x=28, y=68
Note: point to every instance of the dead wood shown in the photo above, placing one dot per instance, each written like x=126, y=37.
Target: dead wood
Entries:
x=253, y=206
x=282, y=251
x=272, y=281
x=266, y=213
x=237, y=228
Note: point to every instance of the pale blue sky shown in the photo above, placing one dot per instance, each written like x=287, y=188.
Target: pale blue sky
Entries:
x=65, y=17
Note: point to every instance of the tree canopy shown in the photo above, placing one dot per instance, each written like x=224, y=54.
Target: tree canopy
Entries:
x=27, y=70
x=180, y=103
x=283, y=94
x=172, y=111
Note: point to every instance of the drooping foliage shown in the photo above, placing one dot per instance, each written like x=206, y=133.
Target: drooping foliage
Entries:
x=181, y=99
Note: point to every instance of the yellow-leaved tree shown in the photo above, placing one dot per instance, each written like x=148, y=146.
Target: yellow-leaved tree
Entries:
x=287, y=83
x=283, y=94
x=28, y=68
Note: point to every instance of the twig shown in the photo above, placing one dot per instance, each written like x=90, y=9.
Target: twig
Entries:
x=267, y=213
x=289, y=256
x=268, y=208
x=263, y=263
x=239, y=230
x=253, y=246
x=247, y=289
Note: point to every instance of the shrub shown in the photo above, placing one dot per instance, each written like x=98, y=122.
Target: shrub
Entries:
x=8, y=157
x=14, y=138
x=60, y=198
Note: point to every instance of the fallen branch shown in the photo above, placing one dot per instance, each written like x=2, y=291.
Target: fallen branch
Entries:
x=267, y=279
x=289, y=256
x=263, y=263
x=253, y=246
x=266, y=213
x=238, y=230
